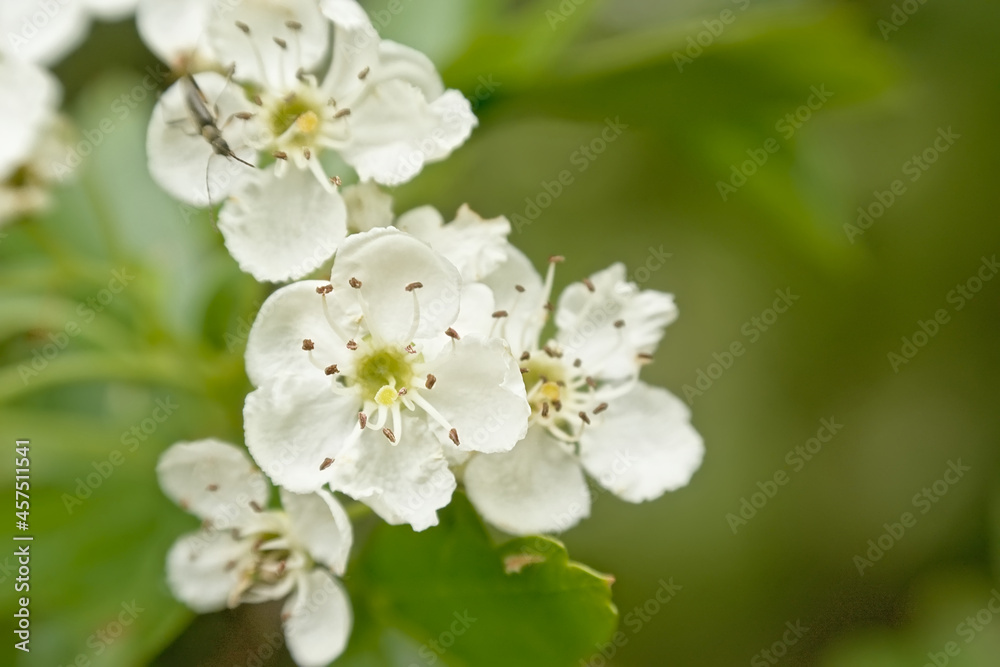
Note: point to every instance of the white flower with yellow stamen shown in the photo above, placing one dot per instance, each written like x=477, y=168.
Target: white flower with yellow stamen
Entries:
x=589, y=410
x=380, y=107
x=245, y=553
x=362, y=383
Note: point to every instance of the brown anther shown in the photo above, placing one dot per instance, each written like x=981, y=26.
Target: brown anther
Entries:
x=519, y=288
x=327, y=462
x=619, y=324
x=644, y=358
x=281, y=567
x=280, y=155
x=590, y=285
x=524, y=371
x=557, y=404
x=543, y=378
x=285, y=615
x=351, y=345
x=402, y=391
x=555, y=259
x=591, y=382
x=324, y=289
x=549, y=307
x=363, y=73
x=307, y=345
x=289, y=98
x=600, y=408
x=280, y=42
x=362, y=419
x=414, y=285
x=300, y=74
x=255, y=507
x=555, y=354
x=342, y=113
x=212, y=487
x=451, y=332
x=244, y=27
x=545, y=409
x=584, y=417
x=410, y=349
x=332, y=102
x=230, y=565
x=354, y=282
x=387, y=432
x=453, y=434
x=525, y=355
x=577, y=362
x=331, y=369
x=235, y=534
x=336, y=180
x=430, y=381
x=307, y=153
x=499, y=313
x=293, y=25
x=243, y=115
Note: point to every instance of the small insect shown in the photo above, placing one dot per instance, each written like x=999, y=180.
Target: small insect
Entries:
x=207, y=120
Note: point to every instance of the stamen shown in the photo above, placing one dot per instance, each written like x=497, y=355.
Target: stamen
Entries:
x=410, y=349
x=557, y=404
x=589, y=284
x=388, y=434
x=545, y=409
x=327, y=462
x=255, y=507
x=336, y=181
x=243, y=115
x=280, y=42
x=500, y=313
x=577, y=362
x=519, y=288
x=363, y=73
x=362, y=419
x=307, y=153
x=619, y=324
x=324, y=289
x=453, y=434
x=525, y=355
x=331, y=369
x=308, y=345
x=293, y=25
x=584, y=417
x=355, y=283
x=212, y=487
x=351, y=345
x=280, y=155
x=600, y=408
x=451, y=332
x=591, y=382
x=244, y=27
x=414, y=285
x=430, y=381
x=343, y=112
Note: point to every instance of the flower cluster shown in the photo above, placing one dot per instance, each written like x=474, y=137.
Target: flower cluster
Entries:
x=426, y=356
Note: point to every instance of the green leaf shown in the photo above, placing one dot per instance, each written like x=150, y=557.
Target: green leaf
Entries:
x=466, y=601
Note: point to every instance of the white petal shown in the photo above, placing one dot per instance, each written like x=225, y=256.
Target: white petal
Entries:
x=173, y=29
x=281, y=229
x=355, y=50
x=318, y=620
x=203, y=569
x=397, y=61
x=405, y=483
x=386, y=261
x=538, y=487
x=368, y=206
x=293, y=424
x=395, y=130
x=479, y=390
x=42, y=31
x=345, y=13
x=29, y=96
x=474, y=245
x=645, y=445
x=111, y=10
x=321, y=526
x=526, y=314
x=266, y=20
x=288, y=317
x=180, y=159
x=213, y=480
x=587, y=329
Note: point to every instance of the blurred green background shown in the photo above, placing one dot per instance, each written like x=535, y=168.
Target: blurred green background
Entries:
x=546, y=79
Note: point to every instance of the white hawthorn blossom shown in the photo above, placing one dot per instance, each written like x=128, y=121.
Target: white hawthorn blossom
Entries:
x=589, y=410
x=363, y=384
x=32, y=137
x=45, y=31
x=245, y=553
x=380, y=107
